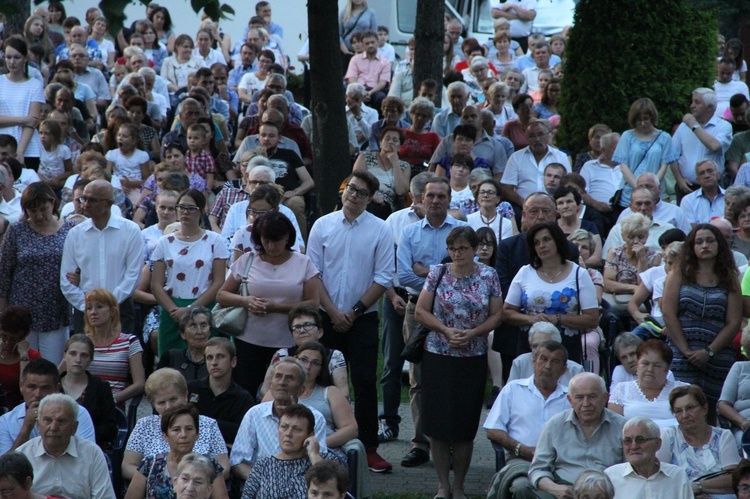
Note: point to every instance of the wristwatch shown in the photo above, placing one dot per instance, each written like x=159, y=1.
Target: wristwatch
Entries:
x=711, y=353
x=359, y=309
x=695, y=127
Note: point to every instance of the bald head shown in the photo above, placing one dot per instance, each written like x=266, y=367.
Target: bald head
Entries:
x=725, y=227
x=279, y=103
x=273, y=116
x=100, y=189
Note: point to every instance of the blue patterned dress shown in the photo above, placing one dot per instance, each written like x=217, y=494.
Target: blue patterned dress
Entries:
x=702, y=312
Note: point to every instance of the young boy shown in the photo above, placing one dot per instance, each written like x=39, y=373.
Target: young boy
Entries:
x=8, y=147
x=197, y=159
x=385, y=49
x=327, y=480
x=357, y=45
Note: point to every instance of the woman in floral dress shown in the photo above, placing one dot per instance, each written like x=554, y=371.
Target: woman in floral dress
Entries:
x=194, y=262
x=552, y=289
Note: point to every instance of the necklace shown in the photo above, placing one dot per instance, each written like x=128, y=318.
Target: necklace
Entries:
x=552, y=278
x=487, y=222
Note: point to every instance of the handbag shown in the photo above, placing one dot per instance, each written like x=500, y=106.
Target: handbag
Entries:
x=231, y=320
x=414, y=347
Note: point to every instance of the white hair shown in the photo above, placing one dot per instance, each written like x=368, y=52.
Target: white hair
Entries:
x=708, y=96
x=459, y=85
x=355, y=90
x=585, y=375
x=652, y=429
x=61, y=398
x=261, y=165
x=545, y=328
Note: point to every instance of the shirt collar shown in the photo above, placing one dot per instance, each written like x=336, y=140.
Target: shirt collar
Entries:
x=449, y=220
x=361, y=218
x=114, y=222
x=71, y=450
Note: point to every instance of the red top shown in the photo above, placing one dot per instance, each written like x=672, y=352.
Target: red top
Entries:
x=10, y=377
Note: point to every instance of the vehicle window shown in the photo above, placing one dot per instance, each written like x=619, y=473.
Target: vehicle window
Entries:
x=407, y=15
x=482, y=18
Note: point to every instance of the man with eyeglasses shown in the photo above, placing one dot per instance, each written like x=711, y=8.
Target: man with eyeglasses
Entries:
x=259, y=172
x=92, y=77
x=643, y=475
x=422, y=245
x=524, y=172
x=353, y=249
x=218, y=396
x=585, y=437
x=106, y=252
x=643, y=201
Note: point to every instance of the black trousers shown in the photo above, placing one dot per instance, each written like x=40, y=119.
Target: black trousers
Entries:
x=360, y=348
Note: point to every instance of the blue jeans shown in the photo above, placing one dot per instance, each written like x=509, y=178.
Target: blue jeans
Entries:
x=393, y=364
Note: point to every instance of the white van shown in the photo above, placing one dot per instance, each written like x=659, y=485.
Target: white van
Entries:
x=400, y=17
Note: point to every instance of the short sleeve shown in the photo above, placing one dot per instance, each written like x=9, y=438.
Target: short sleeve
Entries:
x=135, y=345
x=238, y=267
x=146, y=464
x=731, y=385
x=219, y=249
x=111, y=155
x=337, y=361
x=150, y=183
x=65, y=153
x=159, y=252
x=430, y=284
x=516, y=288
x=617, y=395
x=622, y=151
x=216, y=446
x=310, y=270
x=587, y=292
x=510, y=175
x=499, y=416
x=728, y=453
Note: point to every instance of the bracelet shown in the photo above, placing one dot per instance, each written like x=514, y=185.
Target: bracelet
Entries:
x=517, y=450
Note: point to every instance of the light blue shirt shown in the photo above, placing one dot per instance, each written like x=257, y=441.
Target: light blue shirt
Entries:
x=11, y=423
x=526, y=62
x=444, y=122
x=699, y=209
x=351, y=256
x=423, y=243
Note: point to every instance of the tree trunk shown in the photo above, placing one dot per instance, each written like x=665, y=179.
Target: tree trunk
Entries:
x=428, y=35
x=331, y=140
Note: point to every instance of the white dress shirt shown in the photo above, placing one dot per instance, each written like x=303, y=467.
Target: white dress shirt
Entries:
x=526, y=174
x=692, y=150
x=669, y=482
x=11, y=210
x=79, y=473
x=667, y=213
x=111, y=259
x=522, y=411
x=522, y=369
x=615, y=239
x=352, y=256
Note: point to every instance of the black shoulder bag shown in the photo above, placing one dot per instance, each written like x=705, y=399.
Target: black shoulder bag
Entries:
x=414, y=347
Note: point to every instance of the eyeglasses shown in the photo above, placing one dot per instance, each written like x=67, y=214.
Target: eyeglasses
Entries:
x=307, y=362
x=535, y=212
x=306, y=327
x=488, y=193
x=187, y=209
x=640, y=440
x=536, y=135
x=86, y=199
x=458, y=251
x=361, y=193
x=255, y=213
x=258, y=182
x=485, y=244
x=743, y=489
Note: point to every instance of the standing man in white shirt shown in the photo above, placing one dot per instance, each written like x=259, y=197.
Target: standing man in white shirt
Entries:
x=602, y=175
x=353, y=249
x=701, y=135
x=524, y=172
x=521, y=14
x=106, y=252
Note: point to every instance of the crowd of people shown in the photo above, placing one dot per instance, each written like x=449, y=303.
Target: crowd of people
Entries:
x=156, y=198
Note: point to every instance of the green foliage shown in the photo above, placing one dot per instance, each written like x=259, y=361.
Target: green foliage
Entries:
x=620, y=51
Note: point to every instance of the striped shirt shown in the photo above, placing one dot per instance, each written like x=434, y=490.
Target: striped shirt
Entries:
x=112, y=362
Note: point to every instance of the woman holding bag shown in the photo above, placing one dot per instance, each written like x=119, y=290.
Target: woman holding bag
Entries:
x=277, y=279
x=460, y=304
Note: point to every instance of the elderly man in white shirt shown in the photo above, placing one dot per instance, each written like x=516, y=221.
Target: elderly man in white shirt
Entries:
x=524, y=172
x=106, y=252
x=701, y=135
x=664, y=211
x=359, y=113
x=643, y=475
x=353, y=249
x=65, y=465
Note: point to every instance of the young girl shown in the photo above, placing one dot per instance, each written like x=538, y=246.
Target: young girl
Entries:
x=54, y=159
x=117, y=75
x=129, y=161
x=155, y=183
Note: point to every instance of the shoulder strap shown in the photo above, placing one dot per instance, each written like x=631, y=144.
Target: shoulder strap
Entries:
x=348, y=31
x=647, y=150
x=443, y=268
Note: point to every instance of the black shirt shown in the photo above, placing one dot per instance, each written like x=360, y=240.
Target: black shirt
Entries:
x=285, y=163
x=227, y=408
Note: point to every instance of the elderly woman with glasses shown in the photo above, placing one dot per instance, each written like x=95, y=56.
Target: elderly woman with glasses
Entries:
x=189, y=268
x=698, y=448
x=278, y=279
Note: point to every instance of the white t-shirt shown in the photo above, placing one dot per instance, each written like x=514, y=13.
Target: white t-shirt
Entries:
x=128, y=166
x=16, y=101
x=251, y=83
x=459, y=197
x=28, y=176
x=71, y=181
x=52, y=163
x=518, y=28
x=653, y=279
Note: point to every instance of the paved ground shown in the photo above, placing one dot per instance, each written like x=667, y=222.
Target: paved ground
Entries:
x=422, y=479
